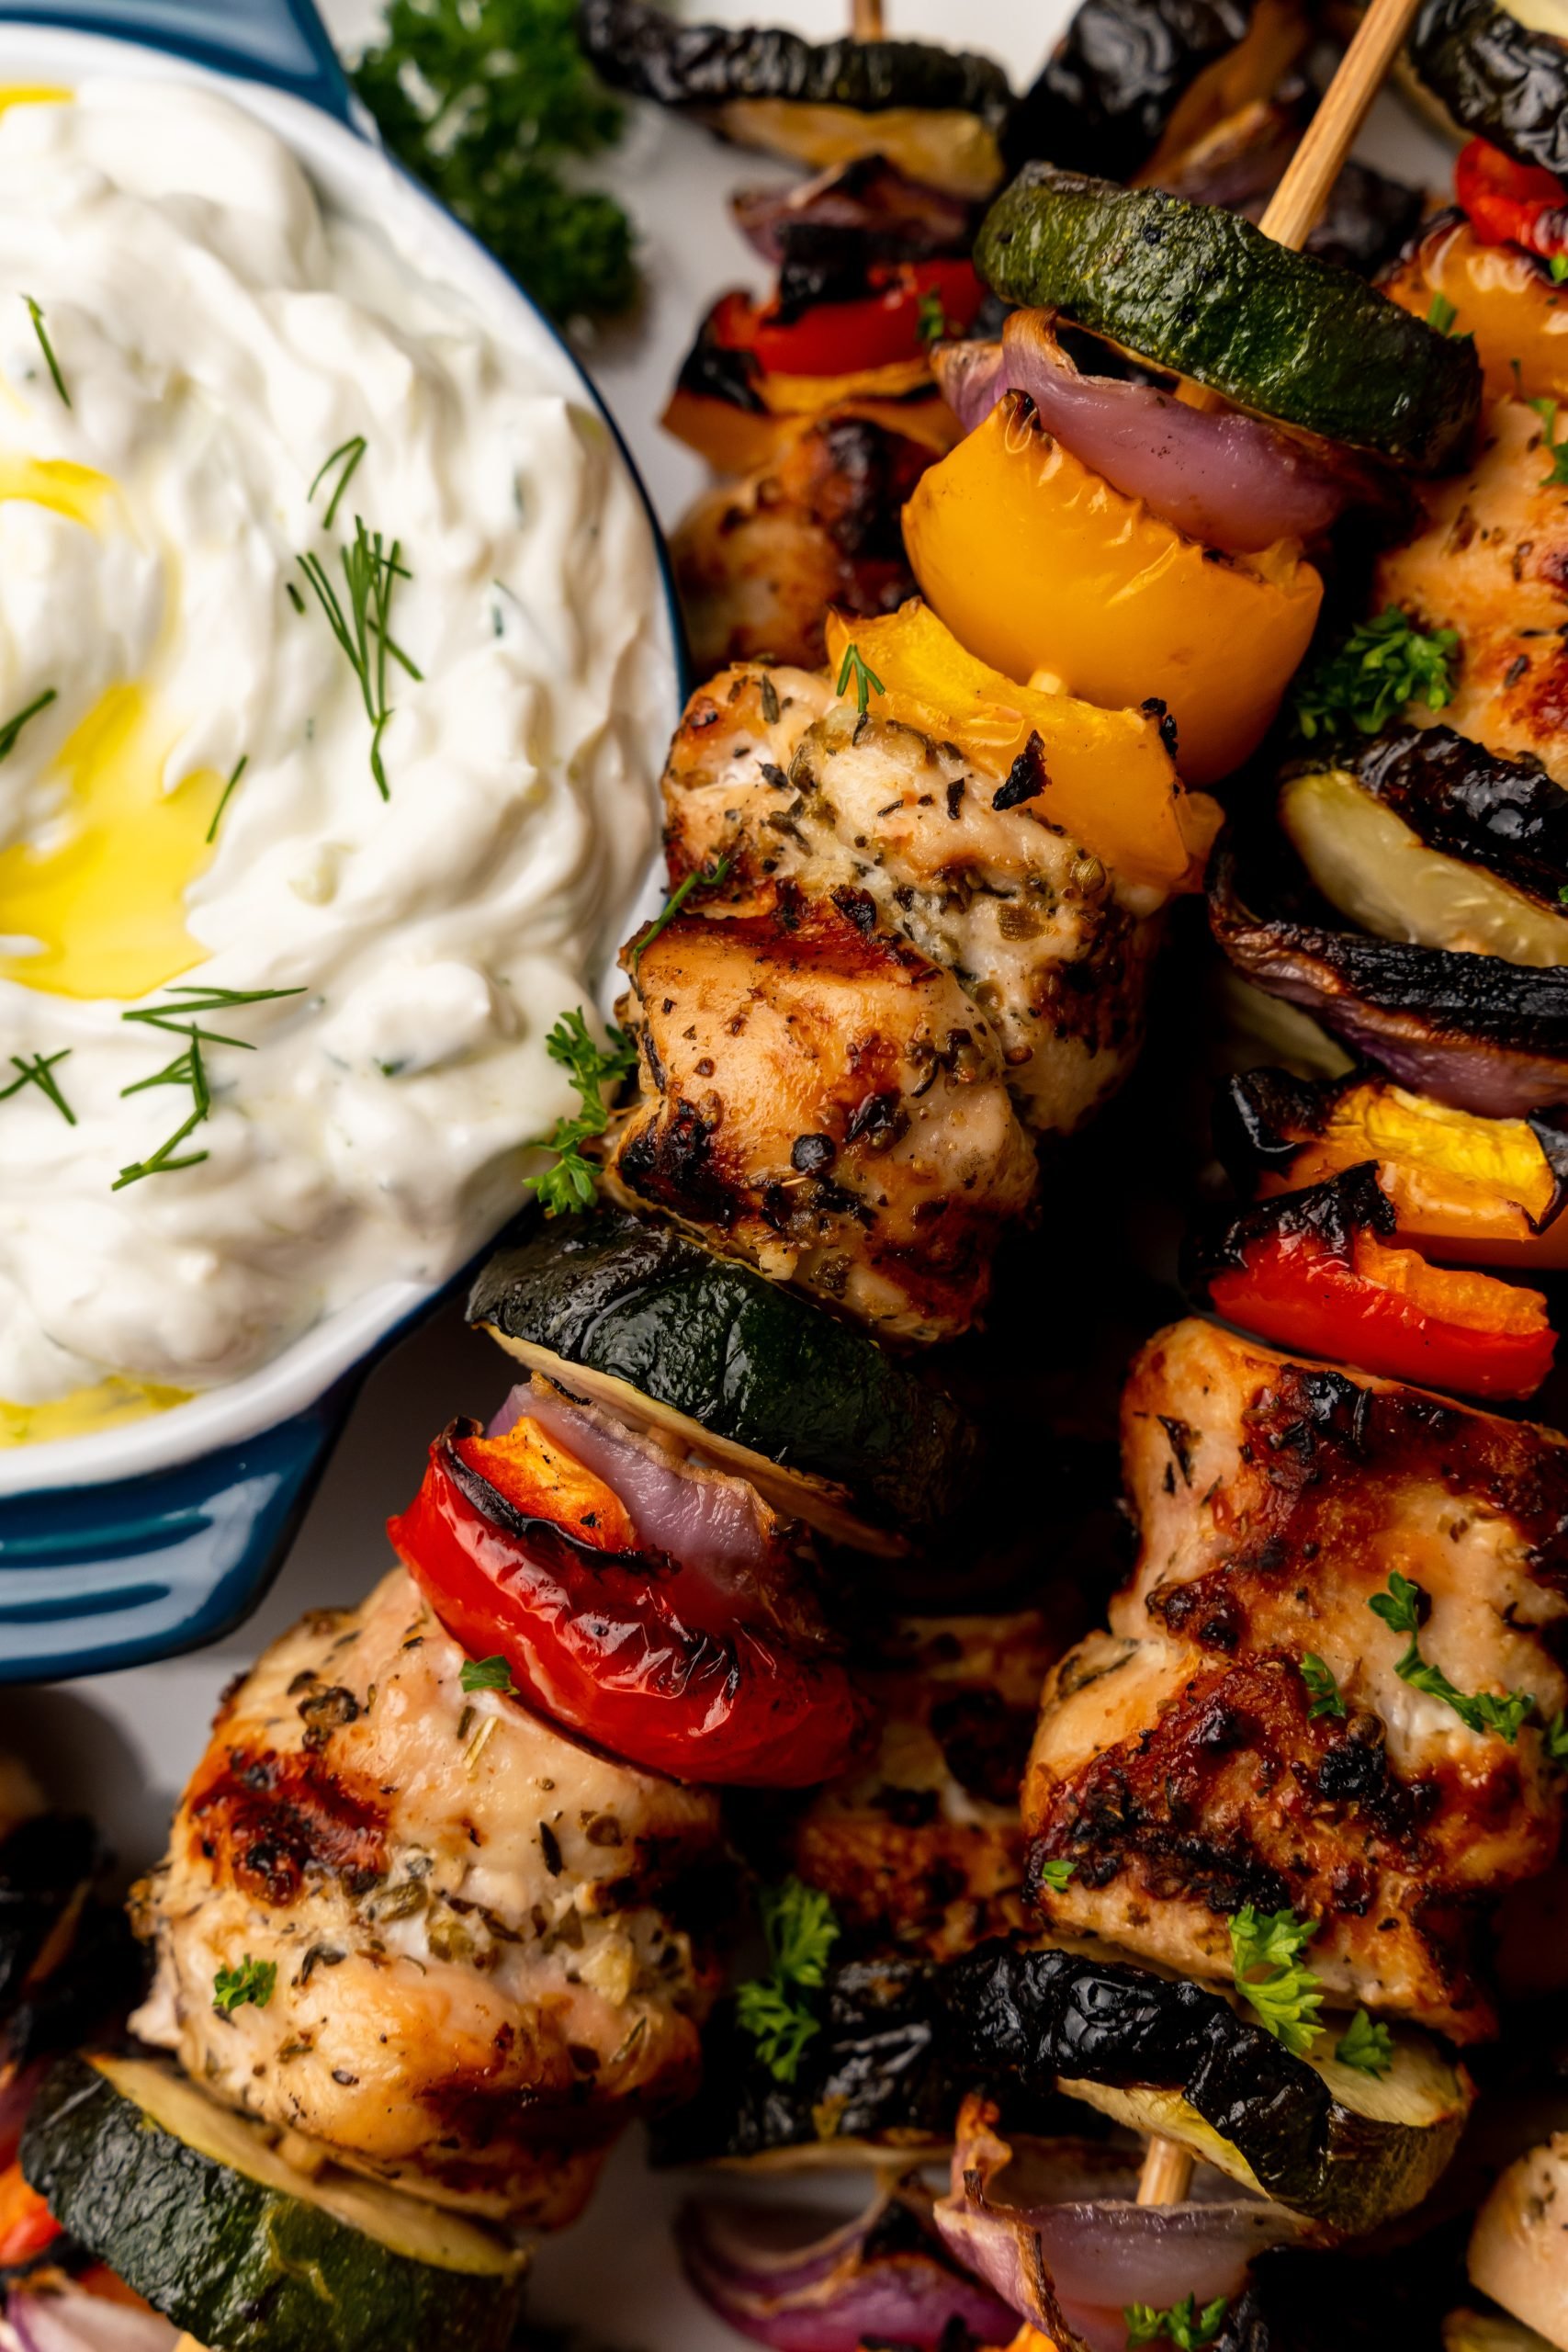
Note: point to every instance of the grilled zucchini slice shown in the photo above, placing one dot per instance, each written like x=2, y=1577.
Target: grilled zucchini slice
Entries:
x=1501, y=72
x=198, y=2211
x=1346, y=2149
x=938, y=113
x=824, y=1422
x=1200, y=291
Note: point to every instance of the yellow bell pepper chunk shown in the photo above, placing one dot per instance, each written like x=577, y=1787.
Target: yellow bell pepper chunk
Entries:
x=1037, y=564
x=1110, y=782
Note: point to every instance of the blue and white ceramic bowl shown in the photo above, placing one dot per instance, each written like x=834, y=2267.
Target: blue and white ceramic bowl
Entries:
x=154, y=1537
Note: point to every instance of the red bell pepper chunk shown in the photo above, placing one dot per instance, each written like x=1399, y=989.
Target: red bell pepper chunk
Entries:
x=26, y=2225
x=895, y=320
x=676, y=1670
x=1390, y=1313
x=1509, y=203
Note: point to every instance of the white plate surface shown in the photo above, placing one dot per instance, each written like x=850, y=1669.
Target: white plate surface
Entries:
x=123, y=1744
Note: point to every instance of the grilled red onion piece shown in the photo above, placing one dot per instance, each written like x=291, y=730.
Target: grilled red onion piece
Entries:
x=72, y=2321
x=1231, y=480
x=867, y=206
x=1055, y=2228
x=784, y=2277
x=703, y=1517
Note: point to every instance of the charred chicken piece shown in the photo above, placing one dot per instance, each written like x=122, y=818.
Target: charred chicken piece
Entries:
x=921, y=1847
x=759, y=561
x=1491, y=561
x=820, y=1099
x=475, y=1981
x=1052, y=950
x=1184, y=1763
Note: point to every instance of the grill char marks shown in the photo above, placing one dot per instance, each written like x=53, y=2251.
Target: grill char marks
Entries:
x=1179, y=1763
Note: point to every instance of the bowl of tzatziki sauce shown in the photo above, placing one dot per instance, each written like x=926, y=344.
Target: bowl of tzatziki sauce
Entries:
x=337, y=666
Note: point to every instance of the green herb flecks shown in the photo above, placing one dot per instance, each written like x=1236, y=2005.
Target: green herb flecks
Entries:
x=1054, y=1874
x=866, y=682
x=235, y=772
x=1365, y=2044
x=1556, y=450
x=801, y=1930
x=12, y=727
x=569, y=1184
x=1441, y=314
x=483, y=99
x=371, y=570
x=1321, y=1684
x=1558, y=267
x=707, y=878
x=1381, y=667
x=487, y=1674
x=348, y=453
x=36, y=314
x=1554, y=1738
x=182, y=1018
x=1182, y=2324
x=37, y=1070
x=253, y=1982
x=1402, y=1610
x=930, y=319
x=1271, y=1976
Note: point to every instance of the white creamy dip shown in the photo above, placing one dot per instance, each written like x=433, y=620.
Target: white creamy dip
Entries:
x=216, y=336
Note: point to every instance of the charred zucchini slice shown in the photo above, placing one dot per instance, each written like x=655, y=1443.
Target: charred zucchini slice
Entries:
x=1501, y=72
x=1163, y=2054
x=825, y=1423
x=937, y=113
x=201, y=2215
x=1201, y=291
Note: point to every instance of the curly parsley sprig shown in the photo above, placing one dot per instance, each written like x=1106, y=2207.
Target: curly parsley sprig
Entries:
x=1365, y=2044
x=801, y=1930
x=1401, y=1609
x=1272, y=1977
x=569, y=1183
x=1182, y=2323
x=1381, y=667
x=252, y=1981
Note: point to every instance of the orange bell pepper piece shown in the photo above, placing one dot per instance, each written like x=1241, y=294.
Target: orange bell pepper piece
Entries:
x=1499, y=295
x=26, y=2225
x=1038, y=566
x=1111, y=783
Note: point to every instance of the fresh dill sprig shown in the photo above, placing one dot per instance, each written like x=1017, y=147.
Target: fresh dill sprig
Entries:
x=254, y=1981
x=801, y=1930
x=569, y=1184
x=1182, y=2323
x=189, y=1069
x=1366, y=2044
x=47, y=347
x=1271, y=1976
x=237, y=770
x=12, y=727
x=371, y=570
x=1322, y=1685
x=706, y=878
x=1383, y=665
x=37, y=1070
x=351, y=451
x=1402, y=1610
x=866, y=682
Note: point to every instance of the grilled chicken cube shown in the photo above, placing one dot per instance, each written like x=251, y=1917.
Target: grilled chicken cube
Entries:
x=474, y=1979
x=921, y=1847
x=1043, y=939
x=760, y=562
x=820, y=1099
x=1184, y=1764
x=1491, y=561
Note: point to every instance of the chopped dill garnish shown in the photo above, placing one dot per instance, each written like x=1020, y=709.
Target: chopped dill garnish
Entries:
x=866, y=680
x=371, y=570
x=353, y=449
x=235, y=773
x=37, y=1070
x=189, y=1069
x=707, y=878
x=48, y=349
x=12, y=727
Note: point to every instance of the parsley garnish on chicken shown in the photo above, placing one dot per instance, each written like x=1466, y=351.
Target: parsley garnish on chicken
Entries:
x=482, y=99
x=1379, y=669
x=1271, y=1976
x=801, y=1931
x=591, y=1067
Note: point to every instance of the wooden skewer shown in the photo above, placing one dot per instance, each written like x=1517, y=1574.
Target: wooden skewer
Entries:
x=865, y=20
x=1296, y=206
x=1168, y=2170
